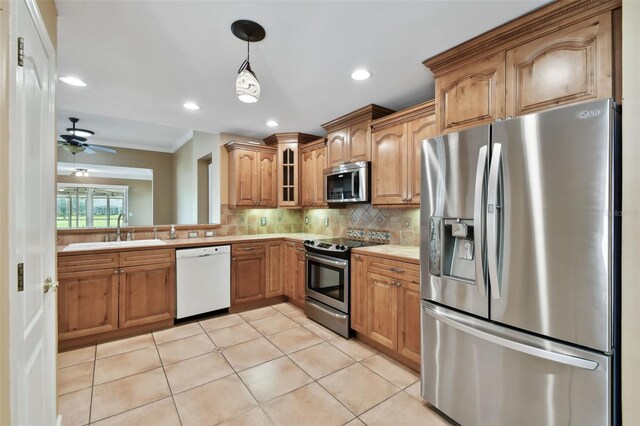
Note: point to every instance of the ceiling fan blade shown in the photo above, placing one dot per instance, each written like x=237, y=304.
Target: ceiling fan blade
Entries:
x=88, y=150
x=101, y=148
x=70, y=138
x=60, y=143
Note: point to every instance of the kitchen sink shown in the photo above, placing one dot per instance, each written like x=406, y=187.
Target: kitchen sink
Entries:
x=113, y=244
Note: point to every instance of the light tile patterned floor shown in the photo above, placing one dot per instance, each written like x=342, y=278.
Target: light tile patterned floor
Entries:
x=268, y=366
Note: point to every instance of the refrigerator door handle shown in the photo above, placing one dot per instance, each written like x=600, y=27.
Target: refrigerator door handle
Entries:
x=451, y=321
x=492, y=220
x=478, y=225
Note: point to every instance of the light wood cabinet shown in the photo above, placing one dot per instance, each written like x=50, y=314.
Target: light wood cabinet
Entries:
x=102, y=294
x=337, y=148
x=358, y=301
x=290, y=275
x=385, y=304
x=295, y=272
x=87, y=303
x=562, y=53
x=349, y=137
x=147, y=294
x=301, y=272
x=471, y=95
x=248, y=272
x=409, y=320
x=314, y=159
x=289, y=177
x=275, y=269
x=396, y=147
x=568, y=66
x=252, y=175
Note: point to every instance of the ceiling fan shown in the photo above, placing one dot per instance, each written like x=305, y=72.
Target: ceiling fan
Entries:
x=75, y=141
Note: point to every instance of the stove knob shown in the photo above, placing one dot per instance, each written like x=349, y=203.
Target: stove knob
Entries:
x=342, y=248
x=309, y=242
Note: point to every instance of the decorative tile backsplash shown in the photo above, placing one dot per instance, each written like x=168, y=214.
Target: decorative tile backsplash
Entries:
x=362, y=221
x=245, y=221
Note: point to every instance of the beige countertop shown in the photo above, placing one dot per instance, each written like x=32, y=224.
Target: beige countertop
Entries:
x=403, y=253
x=191, y=242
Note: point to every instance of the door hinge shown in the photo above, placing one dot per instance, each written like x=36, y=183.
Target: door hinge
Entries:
x=20, y=52
x=20, y=276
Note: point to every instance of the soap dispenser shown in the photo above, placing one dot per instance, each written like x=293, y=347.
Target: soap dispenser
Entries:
x=172, y=233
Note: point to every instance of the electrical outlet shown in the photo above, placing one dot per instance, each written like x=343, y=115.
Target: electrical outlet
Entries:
x=209, y=233
x=326, y=221
x=263, y=221
x=306, y=220
x=193, y=234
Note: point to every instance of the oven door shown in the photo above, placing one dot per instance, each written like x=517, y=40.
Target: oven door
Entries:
x=328, y=280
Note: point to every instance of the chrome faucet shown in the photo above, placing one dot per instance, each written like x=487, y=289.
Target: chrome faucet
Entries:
x=120, y=216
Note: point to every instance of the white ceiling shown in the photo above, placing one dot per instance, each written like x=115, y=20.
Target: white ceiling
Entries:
x=143, y=59
x=110, y=131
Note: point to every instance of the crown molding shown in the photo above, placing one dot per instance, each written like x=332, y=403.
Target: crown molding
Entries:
x=369, y=112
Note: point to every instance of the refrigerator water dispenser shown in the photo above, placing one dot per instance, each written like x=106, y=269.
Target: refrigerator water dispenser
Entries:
x=456, y=251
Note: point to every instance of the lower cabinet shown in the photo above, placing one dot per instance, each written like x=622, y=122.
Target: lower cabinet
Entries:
x=248, y=272
x=137, y=289
x=146, y=294
x=275, y=270
x=385, y=303
x=87, y=303
x=294, y=272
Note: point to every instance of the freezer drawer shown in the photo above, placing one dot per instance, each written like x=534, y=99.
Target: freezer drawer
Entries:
x=480, y=373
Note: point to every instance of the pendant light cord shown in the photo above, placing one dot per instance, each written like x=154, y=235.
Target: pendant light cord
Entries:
x=245, y=64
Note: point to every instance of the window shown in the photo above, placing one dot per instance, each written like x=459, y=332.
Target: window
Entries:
x=95, y=206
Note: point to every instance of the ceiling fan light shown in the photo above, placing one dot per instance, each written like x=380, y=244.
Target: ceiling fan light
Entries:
x=73, y=149
x=247, y=86
x=80, y=132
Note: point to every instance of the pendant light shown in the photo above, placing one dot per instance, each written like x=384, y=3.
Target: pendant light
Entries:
x=247, y=84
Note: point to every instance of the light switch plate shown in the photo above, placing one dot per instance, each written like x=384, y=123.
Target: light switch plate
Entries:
x=263, y=221
x=326, y=221
x=306, y=220
x=209, y=233
x=193, y=234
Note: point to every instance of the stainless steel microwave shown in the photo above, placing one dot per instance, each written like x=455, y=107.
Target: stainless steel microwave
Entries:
x=348, y=183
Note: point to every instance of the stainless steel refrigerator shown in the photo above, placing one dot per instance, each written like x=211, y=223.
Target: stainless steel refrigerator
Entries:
x=519, y=269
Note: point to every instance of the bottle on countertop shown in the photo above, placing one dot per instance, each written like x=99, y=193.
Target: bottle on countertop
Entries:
x=172, y=232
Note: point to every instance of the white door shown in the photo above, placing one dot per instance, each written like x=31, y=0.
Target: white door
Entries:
x=32, y=235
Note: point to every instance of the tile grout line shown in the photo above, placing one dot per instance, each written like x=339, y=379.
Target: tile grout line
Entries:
x=93, y=378
x=167, y=379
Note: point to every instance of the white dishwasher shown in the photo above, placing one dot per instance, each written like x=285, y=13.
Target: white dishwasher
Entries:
x=203, y=280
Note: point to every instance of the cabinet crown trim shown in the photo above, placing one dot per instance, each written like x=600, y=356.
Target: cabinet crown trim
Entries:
x=312, y=146
x=405, y=115
x=234, y=145
x=551, y=18
x=369, y=112
x=291, y=137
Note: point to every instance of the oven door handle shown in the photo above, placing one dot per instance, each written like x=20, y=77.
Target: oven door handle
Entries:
x=337, y=263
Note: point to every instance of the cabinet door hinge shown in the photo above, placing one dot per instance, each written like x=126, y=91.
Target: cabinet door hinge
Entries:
x=20, y=276
x=20, y=52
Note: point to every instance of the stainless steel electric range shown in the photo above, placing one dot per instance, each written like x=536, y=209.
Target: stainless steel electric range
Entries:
x=328, y=281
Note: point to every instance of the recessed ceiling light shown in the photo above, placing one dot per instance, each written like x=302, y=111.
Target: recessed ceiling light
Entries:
x=73, y=81
x=360, y=74
x=272, y=123
x=191, y=106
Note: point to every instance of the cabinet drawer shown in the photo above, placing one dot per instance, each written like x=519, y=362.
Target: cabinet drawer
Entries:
x=394, y=269
x=87, y=262
x=146, y=257
x=247, y=248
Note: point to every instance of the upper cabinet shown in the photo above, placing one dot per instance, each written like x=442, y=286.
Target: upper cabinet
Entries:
x=396, y=146
x=313, y=162
x=252, y=175
x=349, y=137
x=563, y=53
x=288, y=185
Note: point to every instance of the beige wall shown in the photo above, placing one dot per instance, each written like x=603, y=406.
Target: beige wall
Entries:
x=160, y=162
x=50, y=17
x=140, y=195
x=631, y=212
x=185, y=188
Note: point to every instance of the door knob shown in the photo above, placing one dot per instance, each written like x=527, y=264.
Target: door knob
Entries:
x=50, y=285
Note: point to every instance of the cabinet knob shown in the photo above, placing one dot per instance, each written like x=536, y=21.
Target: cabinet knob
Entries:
x=116, y=272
